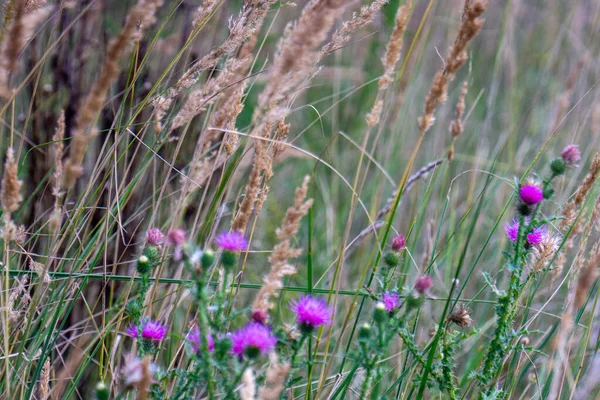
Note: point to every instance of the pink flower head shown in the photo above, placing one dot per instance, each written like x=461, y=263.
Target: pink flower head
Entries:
x=512, y=230
x=232, y=241
x=571, y=155
x=535, y=237
x=261, y=316
x=176, y=237
x=151, y=330
x=155, y=237
x=311, y=312
x=390, y=300
x=531, y=194
x=423, y=284
x=398, y=243
x=254, y=338
x=194, y=337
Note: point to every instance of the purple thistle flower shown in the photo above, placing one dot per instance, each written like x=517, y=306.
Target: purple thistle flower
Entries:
x=155, y=237
x=531, y=194
x=512, y=230
x=535, y=237
x=176, y=237
x=571, y=155
x=253, y=339
x=423, y=284
x=311, y=312
x=390, y=300
x=398, y=243
x=232, y=241
x=193, y=337
x=151, y=330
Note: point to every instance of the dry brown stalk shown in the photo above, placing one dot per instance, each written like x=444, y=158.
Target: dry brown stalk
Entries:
x=390, y=59
x=587, y=277
x=297, y=55
x=203, y=12
x=24, y=18
x=146, y=381
x=394, y=46
x=341, y=36
x=205, y=95
x=573, y=302
x=275, y=379
x=471, y=25
x=139, y=18
x=44, y=384
x=571, y=208
x=261, y=163
x=542, y=254
x=10, y=196
x=295, y=62
x=248, y=389
x=241, y=29
x=58, y=146
x=564, y=98
x=279, y=259
x=456, y=126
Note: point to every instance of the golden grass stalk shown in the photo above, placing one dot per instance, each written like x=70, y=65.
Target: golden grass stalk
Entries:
x=295, y=61
x=279, y=259
x=262, y=162
x=139, y=18
x=24, y=18
x=274, y=380
x=390, y=60
x=341, y=36
x=44, y=384
x=200, y=98
x=203, y=12
x=297, y=55
x=456, y=126
x=241, y=29
x=248, y=389
x=470, y=27
x=571, y=208
x=10, y=196
x=58, y=146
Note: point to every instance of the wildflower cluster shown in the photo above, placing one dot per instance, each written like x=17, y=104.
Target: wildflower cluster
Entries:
x=526, y=232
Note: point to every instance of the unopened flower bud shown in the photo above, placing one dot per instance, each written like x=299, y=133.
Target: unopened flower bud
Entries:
x=143, y=265
x=414, y=300
x=229, y=259
x=364, y=332
x=558, y=167
x=392, y=259
x=380, y=314
x=208, y=258
x=101, y=391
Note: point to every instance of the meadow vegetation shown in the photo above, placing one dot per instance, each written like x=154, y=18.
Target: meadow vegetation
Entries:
x=326, y=199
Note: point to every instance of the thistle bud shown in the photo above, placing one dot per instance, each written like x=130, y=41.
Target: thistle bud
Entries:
x=208, y=258
x=101, y=391
x=364, y=332
x=143, y=265
x=558, y=167
x=380, y=314
x=392, y=259
x=229, y=259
